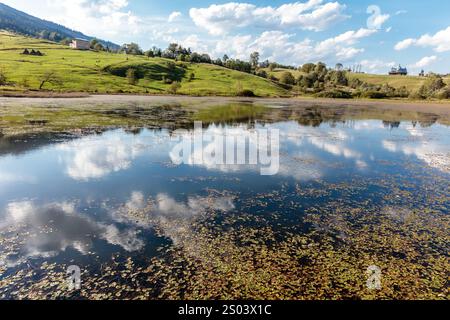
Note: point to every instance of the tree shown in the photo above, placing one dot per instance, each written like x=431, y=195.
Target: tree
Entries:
x=339, y=67
x=287, y=78
x=337, y=78
x=93, y=43
x=225, y=58
x=49, y=77
x=154, y=52
x=206, y=58
x=192, y=77
x=272, y=67
x=320, y=67
x=131, y=48
x=254, y=59
x=433, y=84
x=181, y=57
x=308, y=67
x=66, y=41
x=264, y=64
x=173, y=49
x=98, y=47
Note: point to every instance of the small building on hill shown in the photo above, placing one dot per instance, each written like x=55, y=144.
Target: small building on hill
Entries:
x=398, y=71
x=80, y=44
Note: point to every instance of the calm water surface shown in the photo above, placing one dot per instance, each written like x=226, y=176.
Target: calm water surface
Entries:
x=116, y=199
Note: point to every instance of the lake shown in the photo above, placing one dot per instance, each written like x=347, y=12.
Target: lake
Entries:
x=357, y=194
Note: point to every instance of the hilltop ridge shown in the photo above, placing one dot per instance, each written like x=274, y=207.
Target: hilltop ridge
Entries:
x=22, y=23
x=63, y=69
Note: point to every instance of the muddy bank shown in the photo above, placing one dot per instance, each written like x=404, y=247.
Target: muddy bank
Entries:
x=99, y=113
x=421, y=106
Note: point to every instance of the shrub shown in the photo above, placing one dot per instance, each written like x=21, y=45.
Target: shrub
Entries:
x=25, y=83
x=181, y=65
x=308, y=67
x=3, y=80
x=443, y=93
x=174, y=87
x=336, y=94
x=171, y=66
x=431, y=87
x=132, y=76
x=434, y=83
x=287, y=78
x=355, y=83
x=337, y=77
x=416, y=95
x=374, y=95
x=262, y=74
x=402, y=92
x=167, y=80
x=246, y=93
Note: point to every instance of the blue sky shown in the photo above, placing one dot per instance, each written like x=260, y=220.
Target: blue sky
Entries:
x=375, y=34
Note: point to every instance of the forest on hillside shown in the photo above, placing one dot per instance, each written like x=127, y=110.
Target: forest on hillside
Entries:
x=25, y=24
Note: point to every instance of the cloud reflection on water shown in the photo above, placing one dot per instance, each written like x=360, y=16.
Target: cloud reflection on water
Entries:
x=421, y=143
x=97, y=157
x=47, y=230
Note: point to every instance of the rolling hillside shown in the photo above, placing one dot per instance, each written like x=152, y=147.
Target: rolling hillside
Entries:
x=22, y=23
x=101, y=72
x=412, y=83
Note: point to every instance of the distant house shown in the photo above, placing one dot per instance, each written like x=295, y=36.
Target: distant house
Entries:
x=80, y=44
x=398, y=71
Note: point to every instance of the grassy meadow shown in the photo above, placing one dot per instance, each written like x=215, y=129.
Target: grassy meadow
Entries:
x=412, y=83
x=77, y=71
x=89, y=71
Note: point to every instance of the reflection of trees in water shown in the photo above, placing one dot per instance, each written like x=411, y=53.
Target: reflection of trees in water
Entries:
x=391, y=124
x=174, y=117
x=427, y=124
x=311, y=118
x=17, y=145
x=316, y=116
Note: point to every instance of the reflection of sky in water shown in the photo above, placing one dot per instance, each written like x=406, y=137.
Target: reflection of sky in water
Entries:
x=78, y=194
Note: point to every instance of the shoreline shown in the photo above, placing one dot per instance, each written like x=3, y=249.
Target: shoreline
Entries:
x=442, y=107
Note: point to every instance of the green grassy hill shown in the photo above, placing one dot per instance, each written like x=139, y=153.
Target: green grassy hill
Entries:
x=412, y=83
x=101, y=72
x=277, y=72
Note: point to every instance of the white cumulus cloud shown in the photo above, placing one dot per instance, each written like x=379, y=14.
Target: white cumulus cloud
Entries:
x=313, y=15
x=282, y=47
x=109, y=19
x=440, y=41
x=425, y=61
x=174, y=16
x=377, y=19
